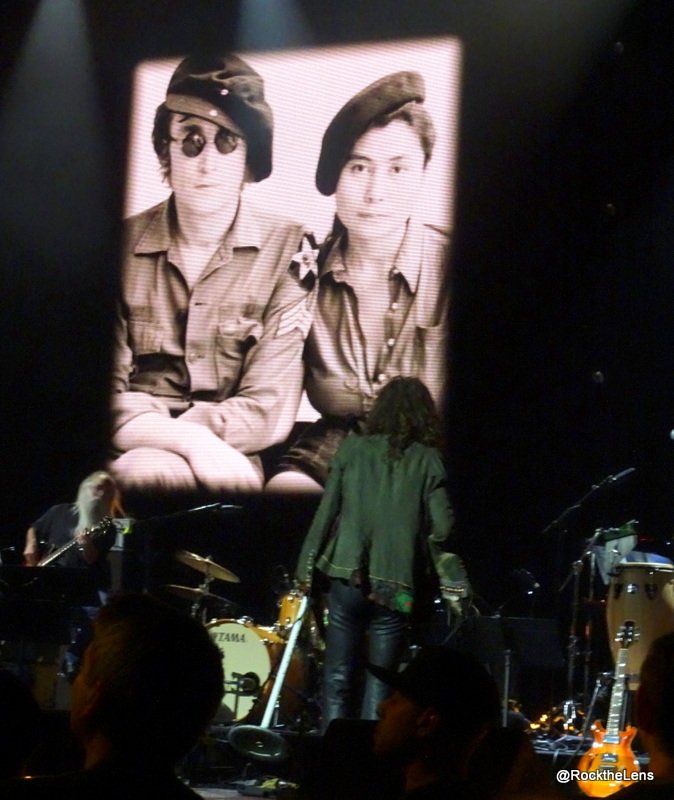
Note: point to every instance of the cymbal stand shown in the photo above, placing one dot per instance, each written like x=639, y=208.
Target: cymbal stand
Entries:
x=197, y=609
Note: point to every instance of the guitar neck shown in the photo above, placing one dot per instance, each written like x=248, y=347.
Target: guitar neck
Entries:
x=61, y=551
x=617, y=695
x=100, y=529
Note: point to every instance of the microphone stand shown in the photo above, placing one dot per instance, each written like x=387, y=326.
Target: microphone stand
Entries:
x=569, y=706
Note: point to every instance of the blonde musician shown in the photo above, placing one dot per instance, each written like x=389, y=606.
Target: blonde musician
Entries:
x=71, y=529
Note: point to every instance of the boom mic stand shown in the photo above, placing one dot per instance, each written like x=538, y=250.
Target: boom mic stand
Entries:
x=570, y=705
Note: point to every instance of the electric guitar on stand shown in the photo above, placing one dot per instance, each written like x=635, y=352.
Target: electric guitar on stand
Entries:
x=611, y=751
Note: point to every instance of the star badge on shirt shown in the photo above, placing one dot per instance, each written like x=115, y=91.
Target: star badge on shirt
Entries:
x=306, y=257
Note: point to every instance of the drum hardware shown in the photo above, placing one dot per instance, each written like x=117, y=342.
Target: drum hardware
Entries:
x=248, y=684
x=288, y=605
x=260, y=744
x=570, y=706
x=206, y=565
x=258, y=741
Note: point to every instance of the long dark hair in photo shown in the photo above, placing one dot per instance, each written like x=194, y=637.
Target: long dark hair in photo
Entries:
x=404, y=412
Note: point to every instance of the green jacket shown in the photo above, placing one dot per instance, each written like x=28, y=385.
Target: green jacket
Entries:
x=386, y=520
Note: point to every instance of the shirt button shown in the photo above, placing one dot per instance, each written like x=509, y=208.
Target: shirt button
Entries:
x=394, y=306
x=390, y=342
x=192, y=357
x=381, y=377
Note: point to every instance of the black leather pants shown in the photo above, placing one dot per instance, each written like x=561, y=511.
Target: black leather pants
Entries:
x=352, y=616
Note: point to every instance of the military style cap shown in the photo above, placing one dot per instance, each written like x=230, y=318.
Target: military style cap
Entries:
x=210, y=86
x=381, y=97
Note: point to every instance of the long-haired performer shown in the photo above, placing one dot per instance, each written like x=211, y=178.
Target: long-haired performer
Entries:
x=379, y=535
x=98, y=497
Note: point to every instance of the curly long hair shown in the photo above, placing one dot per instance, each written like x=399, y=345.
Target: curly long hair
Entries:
x=404, y=412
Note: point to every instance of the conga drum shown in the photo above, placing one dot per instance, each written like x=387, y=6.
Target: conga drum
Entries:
x=644, y=594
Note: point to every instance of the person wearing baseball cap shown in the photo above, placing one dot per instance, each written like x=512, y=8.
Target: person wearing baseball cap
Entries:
x=216, y=296
x=443, y=704
x=382, y=299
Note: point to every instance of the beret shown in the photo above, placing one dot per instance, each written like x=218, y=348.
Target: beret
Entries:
x=213, y=86
x=381, y=97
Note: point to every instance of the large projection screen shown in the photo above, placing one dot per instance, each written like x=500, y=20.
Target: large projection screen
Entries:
x=305, y=88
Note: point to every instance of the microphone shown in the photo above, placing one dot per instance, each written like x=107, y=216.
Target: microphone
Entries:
x=123, y=525
x=246, y=684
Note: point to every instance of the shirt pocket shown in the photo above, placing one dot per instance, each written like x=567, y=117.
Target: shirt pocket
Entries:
x=235, y=336
x=431, y=341
x=145, y=335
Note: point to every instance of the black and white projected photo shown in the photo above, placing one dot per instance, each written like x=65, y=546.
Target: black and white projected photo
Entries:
x=288, y=220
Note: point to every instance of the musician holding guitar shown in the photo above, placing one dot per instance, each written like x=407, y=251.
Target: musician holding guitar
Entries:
x=97, y=497
x=76, y=535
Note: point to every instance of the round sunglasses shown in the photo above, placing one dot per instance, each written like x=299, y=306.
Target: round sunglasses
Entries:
x=226, y=142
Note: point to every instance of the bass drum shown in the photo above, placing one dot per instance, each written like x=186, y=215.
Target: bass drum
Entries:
x=250, y=655
x=644, y=594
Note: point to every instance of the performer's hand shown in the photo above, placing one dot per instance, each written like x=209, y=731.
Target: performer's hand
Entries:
x=88, y=550
x=31, y=551
x=81, y=537
x=457, y=599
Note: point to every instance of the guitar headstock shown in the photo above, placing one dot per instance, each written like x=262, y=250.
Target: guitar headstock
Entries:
x=628, y=633
x=108, y=524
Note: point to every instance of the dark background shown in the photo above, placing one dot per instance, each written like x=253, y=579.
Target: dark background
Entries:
x=563, y=326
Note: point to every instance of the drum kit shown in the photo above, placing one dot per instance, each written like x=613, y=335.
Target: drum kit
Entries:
x=270, y=671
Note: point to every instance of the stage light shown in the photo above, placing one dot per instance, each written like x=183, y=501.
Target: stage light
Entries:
x=50, y=135
x=263, y=24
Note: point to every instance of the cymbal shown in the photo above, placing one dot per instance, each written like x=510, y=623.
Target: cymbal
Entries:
x=191, y=592
x=205, y=565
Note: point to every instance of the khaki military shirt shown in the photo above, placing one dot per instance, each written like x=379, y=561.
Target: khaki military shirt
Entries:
x=226, y=353
x=339, y=382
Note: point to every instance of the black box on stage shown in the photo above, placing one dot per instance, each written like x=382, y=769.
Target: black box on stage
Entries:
x=533, y=642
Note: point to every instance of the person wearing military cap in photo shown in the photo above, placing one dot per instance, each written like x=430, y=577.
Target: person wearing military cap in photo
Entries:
x=382, y=299
x=216, y=296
